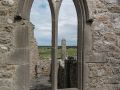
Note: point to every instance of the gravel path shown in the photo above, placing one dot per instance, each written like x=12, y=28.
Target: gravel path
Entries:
x=41, y=84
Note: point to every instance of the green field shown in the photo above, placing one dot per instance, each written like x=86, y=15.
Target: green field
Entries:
x=45, y=51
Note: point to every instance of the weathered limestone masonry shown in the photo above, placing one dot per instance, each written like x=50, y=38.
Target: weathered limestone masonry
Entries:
x=18, y=51
x=17, y=47
x=102, y=63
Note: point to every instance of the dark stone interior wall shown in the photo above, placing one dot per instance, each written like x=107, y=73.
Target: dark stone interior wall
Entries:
x=67, y=75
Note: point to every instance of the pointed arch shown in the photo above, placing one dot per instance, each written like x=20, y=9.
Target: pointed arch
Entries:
x=86, y=9
x=24, y=8
x=83, y=16
x=52, y=8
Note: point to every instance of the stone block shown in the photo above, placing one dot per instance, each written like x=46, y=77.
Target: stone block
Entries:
x=118, y=41
x=5, y=82
x=22, y=77
x=4, y=41
x=114, y=87
x=105, y=47
x=7, y=2
x=5, y=75
x=113, y=62
x=20, y=54
x=114, y=8
x=114, y=55
x=3, y=13
x=3, y=19
x=22, y=37
x=5, y=88
x=19, y=57
x=114, y=79
x=97, y=58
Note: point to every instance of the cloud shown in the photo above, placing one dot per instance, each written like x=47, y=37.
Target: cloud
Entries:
x=41, y=18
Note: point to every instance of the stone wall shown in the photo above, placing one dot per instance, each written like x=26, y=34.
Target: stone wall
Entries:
x=18, y=51
x=67, y=73
x=7, y=44
x=44, y=67
x=34, y=54
x=17, y=48
x=103, y=60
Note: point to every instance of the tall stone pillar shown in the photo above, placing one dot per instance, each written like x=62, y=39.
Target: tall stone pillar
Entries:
x=63, y=50
x=55, y=9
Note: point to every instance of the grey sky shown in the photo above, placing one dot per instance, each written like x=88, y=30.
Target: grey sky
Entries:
x=41, y=18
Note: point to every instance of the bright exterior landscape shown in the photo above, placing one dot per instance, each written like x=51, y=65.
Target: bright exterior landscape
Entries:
x=45, y=51
x=67, y=27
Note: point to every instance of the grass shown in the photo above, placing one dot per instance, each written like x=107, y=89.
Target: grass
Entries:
x=45, y=51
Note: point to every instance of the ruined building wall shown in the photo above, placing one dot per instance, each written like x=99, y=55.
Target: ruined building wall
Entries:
x=102, y=61
x=17, y=48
